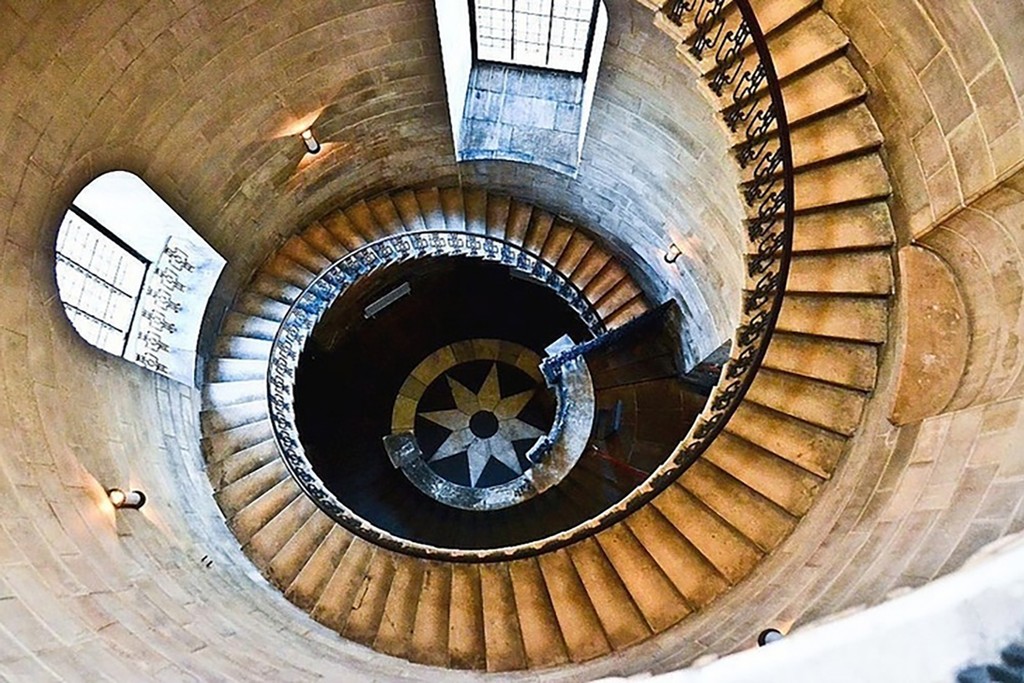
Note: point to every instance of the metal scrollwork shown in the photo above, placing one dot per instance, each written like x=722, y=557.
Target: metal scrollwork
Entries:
x=318, y=296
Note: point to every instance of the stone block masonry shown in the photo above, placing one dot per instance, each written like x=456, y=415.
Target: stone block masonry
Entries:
x=528, y=115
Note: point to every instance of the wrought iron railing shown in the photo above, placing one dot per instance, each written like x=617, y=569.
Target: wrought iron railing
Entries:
x=303, y=315
x=742, y=76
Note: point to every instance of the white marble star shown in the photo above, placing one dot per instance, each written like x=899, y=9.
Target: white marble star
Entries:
x=480, y=450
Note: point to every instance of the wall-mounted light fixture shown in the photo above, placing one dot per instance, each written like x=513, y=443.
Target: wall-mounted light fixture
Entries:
x=673, y=254
x=127, y=500
x=311, y=143
x=769, y=635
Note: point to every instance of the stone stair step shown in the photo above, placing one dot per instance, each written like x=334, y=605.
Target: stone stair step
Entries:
x=856, y=319
x=861, y=179
x=475, y=202
x=578, y=620
x=543, y=643
x=395, y=633
x=833, y=84
x=273, y=288
x=361, y=217
x=259, y=307
x=326, y=244
x=429, y=642
x=622, y=621
x=747, y=511
x=788, y=486
x=592, y=264
x=221, y=444
x=498, y=209
x=429, y=201
x=238, y=325
x=345, y=585
x=344, y=230
x=801, y=443
x=250, y=519
x=693, y=576
x=466, y=644
x=827, y=406
x=285, y=566
x=729, y=551
x=775, y=14
x=385, y=215
x=229, y=417
x=224, y=468
x=847, y=364
x=408, y=207
x=311, y=582
x=557, y=239
x=624, y=292
x=844, y=133
x=452, y=204
x=651, y=589
x=574, y=253
x=519, y=216
x=265, y=544
x=503, y=639
x=301, y=252
x=246, y=348
x=859, y=272
x=281, y=267
x=631, y=310
x=220, y=394
x=802, y=44
x=607, y=278
x=540, y=225
x=863, y=226
x=236, y=369
x=772, y=15
x=364, y=619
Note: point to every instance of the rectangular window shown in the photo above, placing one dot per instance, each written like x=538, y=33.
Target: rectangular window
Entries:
x=552, y=34
x=99, y=279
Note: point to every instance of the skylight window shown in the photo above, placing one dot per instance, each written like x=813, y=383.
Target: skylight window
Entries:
x=552, y=34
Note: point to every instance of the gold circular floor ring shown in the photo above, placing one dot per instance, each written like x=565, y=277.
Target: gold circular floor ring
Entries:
x=484, y=427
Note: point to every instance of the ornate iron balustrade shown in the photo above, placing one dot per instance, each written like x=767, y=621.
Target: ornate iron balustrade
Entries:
x=318, y=296
x=743, y=76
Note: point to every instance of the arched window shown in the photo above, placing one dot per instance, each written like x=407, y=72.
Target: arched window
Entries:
x=552, y=34
x=133, y=277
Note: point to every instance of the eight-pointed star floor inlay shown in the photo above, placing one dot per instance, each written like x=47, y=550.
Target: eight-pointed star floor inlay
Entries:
x=484, y=425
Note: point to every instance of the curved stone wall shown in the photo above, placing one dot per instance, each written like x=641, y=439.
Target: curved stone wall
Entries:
x=191, y=97
x=947, y=88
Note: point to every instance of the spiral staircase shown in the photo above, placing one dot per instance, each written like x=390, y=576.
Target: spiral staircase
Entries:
x=702, y=533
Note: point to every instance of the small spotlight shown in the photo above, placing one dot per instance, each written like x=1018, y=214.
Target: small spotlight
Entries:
x=673, y=254
x=130, y=500
x=768, y=636
x=311, y=143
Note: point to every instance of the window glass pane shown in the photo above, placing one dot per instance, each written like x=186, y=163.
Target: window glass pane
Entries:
x=543, y=33
x=99, y=282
